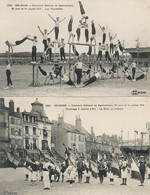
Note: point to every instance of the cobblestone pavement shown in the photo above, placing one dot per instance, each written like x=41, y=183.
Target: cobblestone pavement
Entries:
x=12, y=182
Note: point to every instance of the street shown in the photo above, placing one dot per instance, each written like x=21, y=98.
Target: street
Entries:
x=12, y=182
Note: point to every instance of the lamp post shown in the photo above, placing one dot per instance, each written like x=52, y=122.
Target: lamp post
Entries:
x=122, y=137
x=142, y=133
x=136, y=132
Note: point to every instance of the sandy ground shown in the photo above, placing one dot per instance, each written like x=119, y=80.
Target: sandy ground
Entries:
x=22, y=77
x=12, y=182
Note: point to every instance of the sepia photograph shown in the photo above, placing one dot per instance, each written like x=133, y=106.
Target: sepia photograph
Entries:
x=74, y=48
x=74, y=97
x=86, y=146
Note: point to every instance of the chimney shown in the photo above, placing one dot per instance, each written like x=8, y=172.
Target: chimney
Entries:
x=92, y=132
x=60, y=119
x=148, y=126
x=11, y=106
x=78, y=123
x=18, y=110
x=2, y=102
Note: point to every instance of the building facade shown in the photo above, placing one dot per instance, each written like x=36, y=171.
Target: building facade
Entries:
x=36, y=128
x=69, y=135
x=11, y=125
x=29, y=130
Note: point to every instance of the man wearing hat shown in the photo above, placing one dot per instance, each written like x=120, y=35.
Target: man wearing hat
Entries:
x=142, y=169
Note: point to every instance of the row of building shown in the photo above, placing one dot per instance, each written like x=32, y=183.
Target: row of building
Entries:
x=32, y=130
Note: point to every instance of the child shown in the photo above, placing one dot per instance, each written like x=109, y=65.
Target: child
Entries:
x=87, y=175
x=8, y=75
x=111, y=176
x=57, y=22
x=71, y=174
x=124, y=172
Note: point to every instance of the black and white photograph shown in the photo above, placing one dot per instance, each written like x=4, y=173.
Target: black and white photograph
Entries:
x=74, y=48
x=57, y=146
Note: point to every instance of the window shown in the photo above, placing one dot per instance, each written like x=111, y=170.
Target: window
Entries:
x=75, y=138
x=44, y=133
x=27, y=143
x=34, y=144
x=12, y=121
x=33, y=119
x=71, y=137
x=26, y=129
x=30, y=119
x=19, y=132
x=79, y=138
x=26, y=117
x=44, y=144
x=18, y=121
x=34, y=130
x=83, y=138
x=12, y=131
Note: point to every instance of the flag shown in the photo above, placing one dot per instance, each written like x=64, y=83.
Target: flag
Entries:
x=70, y=157
x=135, y=172
x=94, y=169
x=115, y=168
x=11, y=158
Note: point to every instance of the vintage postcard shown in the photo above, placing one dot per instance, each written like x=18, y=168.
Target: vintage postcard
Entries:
x=79, y=146
x=74, y=48
x=74, y=97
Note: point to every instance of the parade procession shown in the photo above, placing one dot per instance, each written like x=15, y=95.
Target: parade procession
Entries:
x=50, y=153
x=74, y=97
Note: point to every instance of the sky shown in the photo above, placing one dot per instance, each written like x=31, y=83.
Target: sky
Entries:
x=131, y=118
x=128, y=18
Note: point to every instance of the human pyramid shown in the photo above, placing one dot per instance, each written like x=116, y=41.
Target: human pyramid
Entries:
x=111, y=53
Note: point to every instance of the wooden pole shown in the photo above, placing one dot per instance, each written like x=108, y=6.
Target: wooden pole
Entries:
x=69, y=60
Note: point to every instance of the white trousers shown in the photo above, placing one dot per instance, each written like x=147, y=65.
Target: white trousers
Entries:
x=46, y=179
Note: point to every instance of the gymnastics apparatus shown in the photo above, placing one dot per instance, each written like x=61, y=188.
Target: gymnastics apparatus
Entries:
x=95, y=66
